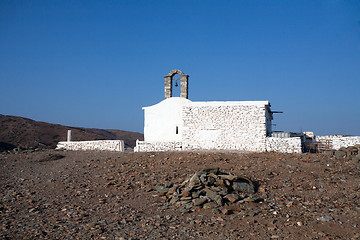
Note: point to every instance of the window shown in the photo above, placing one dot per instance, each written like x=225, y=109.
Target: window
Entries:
x=177, y=130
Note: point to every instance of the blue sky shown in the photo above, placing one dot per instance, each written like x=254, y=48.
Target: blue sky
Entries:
x=97, y=63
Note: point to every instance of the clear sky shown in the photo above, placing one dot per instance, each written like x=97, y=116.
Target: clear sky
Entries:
x=97, y=63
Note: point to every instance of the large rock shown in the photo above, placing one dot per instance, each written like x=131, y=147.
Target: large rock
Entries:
x=353, y=150
x=242, y=186
x=344, y=149
x=199, y=201
x=340, y=154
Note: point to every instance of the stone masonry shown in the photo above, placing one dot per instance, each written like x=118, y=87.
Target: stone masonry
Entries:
x=224, y=125
x=284, y=145
x=100, y=145
x=338, y=141
x=142, y=146
x=184, y=80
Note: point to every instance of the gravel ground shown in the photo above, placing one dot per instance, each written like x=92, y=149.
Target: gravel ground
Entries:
x=102, y=195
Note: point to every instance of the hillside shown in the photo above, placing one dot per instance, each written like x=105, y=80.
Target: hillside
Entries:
x=19, y=131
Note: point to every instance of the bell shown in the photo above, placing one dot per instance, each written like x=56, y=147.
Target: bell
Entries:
x=176, y=84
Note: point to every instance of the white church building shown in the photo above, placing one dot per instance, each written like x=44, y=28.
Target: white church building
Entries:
x=178, y=124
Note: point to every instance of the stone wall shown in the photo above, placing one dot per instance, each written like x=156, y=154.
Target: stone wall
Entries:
x=224, y=126
x=338, y=141
x=285, y=145
x=102, y=145
x=142, y=146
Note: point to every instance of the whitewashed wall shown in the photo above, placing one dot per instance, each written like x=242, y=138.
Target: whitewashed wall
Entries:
x=285, y=145
x=102, y=145
x=339, y=141
x=162, y=119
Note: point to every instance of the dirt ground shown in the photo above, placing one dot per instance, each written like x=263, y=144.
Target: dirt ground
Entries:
x=102, y=195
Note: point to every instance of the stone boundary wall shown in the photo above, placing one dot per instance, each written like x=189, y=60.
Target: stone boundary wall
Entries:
x=284, y=145
x=336, y=141
x=101, y=145
x=142, y=146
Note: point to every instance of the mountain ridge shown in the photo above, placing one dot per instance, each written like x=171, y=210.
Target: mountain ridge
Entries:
x=25, y=132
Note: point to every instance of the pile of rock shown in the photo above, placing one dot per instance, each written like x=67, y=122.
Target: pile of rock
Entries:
x=348, y=153
x=211, y=189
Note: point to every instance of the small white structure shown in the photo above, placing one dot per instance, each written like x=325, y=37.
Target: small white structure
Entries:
x=69, y=135
x=177, y=123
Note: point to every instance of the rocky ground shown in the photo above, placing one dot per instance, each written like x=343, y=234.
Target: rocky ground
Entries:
x=102, y=195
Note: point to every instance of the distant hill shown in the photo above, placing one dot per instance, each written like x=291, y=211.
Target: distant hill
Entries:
x=19, y=131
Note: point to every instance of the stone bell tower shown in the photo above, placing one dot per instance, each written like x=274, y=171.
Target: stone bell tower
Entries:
x=184, y=84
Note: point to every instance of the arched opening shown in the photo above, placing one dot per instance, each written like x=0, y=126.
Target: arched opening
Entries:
x=176, y=81
x=176, y=85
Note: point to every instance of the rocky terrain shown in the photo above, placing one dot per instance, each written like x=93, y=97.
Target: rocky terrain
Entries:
x=27, y=133
x=101, y=195
x=349, y=153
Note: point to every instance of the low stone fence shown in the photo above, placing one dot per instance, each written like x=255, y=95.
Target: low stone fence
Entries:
x=285, y=145
x=102, y=145
x=336, y=142
x=142, y=146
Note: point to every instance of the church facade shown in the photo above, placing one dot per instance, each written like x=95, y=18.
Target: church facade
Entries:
x=178, y=124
